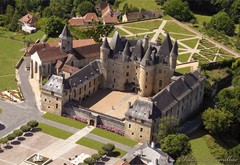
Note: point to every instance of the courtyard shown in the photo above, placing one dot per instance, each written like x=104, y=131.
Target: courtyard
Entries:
x=113, y=103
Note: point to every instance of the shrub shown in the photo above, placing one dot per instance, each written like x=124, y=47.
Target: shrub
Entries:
x=89, y=161
x=25, y=128
x=83, y=120
x=18, y=132
x=102, y=152
x=96, y=157
x=109, y=147
x=32, y=123
x=111, y=129
x=11, y=136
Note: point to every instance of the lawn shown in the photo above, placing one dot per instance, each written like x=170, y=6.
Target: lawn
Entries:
x=120, y=32
x=0, y=110
x=202, y=18
x=183, y=57
x=114, y=137
x=150, y=35
x=146, y=24
x=97, y=145
x=146, y=4
x=179, y=36
x=173, y=27
x=10, y=53
x=135, y=31
x=184, y=70
x=201, y=152
x=53, y=131
x=191, y=43
x=64, y=120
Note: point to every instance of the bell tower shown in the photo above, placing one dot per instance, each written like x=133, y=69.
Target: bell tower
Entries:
x=65, y=40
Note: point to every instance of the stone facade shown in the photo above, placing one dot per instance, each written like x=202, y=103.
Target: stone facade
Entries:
x=129, y=65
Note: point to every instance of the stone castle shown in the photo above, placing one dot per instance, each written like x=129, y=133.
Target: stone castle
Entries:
x=133, y=66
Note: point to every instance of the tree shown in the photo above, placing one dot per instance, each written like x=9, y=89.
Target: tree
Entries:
x=167, y=126
x=234, y=11
x=89, y=161
x=176, y=145
x=235, y=153
x=85, y=7
x=224, y=96
x=52, y=26
x=222, y=23
x=216, y=120
x=32, y=124
x=236, y=81
x=18, y=132
x=102, y=152
x=178, y=9
x=109, y=147
x=25, y=128
x=160, y=2
x=96, y=157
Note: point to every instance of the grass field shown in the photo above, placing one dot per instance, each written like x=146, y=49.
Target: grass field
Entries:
x=191, y=43
x=97, y=145
x=135, y=31
x=10, y=52
x=145, y=25
x=201, y=152
x=53, y=131
x=178, y=36
x=112, y=136
x=173, y=27
x=150, y=35
x=120, y=32
x=0, y=110
x=146, y=4
x=184, y=70
x=183, y=57
x=64, y=120
x=202, y=18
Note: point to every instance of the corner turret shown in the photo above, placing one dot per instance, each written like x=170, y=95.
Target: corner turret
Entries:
x=66, y=40
x=174, y=55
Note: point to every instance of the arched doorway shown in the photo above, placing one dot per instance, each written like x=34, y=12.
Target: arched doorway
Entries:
x=91, y=122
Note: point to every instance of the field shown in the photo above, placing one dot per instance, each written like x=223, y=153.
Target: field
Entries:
x=10, y=52
x=184, y=70
x=53, y=131
x=114, y=137
x=150, y=25
x=146, y=4
x=98, y=145
x=173, y=27
x=64, y=120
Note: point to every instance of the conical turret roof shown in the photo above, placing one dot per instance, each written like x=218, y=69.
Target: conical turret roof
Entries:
x=138, y=50
x=65, y=33
x=126, y=52
x=166, y=46
x=174, y=51
x=147, y=59
x=105, y=43
x=116, y=44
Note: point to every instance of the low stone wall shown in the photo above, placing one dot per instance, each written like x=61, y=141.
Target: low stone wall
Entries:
x=72, y=109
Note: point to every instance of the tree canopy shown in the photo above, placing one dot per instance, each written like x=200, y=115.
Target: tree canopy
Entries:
x=85, y=7
x=178, y=9
x=176, y=145
x=52, y=26
x=216, y=120
x=223, y=23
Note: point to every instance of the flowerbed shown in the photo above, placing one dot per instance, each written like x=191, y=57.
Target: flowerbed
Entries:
x=111, y=129
x=83, y=120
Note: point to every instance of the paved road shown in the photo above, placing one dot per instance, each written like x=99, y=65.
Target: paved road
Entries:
x=17, y=114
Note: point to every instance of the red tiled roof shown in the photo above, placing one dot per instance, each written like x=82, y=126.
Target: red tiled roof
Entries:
x=28, y=19
x=83, y=42
x=90, y=17
x=58, y=64
x=110, y=19
x=69, y=68
x=76, y=21
x=89, y=51
x=106, y=11
x=51, y=54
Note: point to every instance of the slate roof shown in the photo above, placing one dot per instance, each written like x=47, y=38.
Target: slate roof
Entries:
x=166, y=46
x=147, y=59
x=102, y=5
x=143, y=110
x=65, y=33
x=174, y=51
x=190, y=80
x=134, y=16
x=54, y=84
x=148, y=154
x=178, y=89
x=91, y=70
x=105, y=43
x=164, y=100
x=126, y=52
x=116, y=44
x=199, y=77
